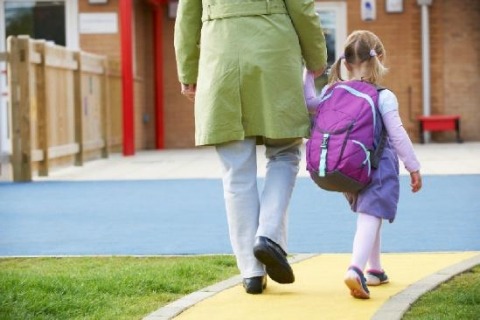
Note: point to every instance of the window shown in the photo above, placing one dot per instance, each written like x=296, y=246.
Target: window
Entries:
x=38, y=19
x=55, y=21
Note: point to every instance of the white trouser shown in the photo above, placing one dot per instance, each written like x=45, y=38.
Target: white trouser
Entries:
x=248, y=214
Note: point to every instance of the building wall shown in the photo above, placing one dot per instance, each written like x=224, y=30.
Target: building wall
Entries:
x=106, y=44
x=454, y=47
x=455, y=65
x=144, y=73
x=461, y=67
x=109, y=45
x=400, y=34
x=179, y=119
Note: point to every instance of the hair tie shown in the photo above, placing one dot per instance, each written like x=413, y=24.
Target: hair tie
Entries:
x=373, y=53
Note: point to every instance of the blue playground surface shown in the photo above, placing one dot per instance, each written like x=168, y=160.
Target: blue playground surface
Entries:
x=186, y=216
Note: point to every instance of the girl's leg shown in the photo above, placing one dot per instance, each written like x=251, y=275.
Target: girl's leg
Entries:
x=365, y=241
x=374, y=259
x=376, y=275
x=363, y=244
x=241, y=201
x=282, y=168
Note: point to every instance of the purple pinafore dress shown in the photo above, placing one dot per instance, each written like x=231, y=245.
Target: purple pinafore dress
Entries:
x=380, y=197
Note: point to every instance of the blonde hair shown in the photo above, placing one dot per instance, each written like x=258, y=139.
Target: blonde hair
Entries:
x=362, y=46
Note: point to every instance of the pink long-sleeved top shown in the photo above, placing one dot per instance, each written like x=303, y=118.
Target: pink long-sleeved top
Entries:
x=388, y=106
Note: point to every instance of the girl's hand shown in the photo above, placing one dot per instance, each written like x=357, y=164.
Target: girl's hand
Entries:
x=188, y=90
x=415, y=181
x=314, y=73
x=319, y=72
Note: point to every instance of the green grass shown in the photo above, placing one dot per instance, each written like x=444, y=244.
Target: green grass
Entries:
x=102, y=288
x=132, y=287
x=458, y=298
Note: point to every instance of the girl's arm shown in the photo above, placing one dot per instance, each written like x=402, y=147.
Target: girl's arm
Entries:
x=396, y=132
x=310, y=92
x=404, y=148
x=400, y=141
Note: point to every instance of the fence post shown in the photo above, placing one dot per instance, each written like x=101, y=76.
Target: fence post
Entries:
x=105, y=110
x=19, y=93
x=78, y=101
x=42, y=109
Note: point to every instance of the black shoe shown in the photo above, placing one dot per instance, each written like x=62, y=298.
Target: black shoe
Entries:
x=275, y=260
x=255, y=285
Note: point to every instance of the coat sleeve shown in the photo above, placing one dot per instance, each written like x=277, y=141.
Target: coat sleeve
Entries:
x=188, y=26
x=310, y=33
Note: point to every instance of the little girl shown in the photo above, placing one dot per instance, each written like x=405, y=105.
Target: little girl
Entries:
x=364, y=55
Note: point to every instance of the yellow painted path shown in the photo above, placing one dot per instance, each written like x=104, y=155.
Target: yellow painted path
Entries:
x=319, y=291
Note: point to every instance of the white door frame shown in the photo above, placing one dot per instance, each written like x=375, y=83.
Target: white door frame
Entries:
x=339, y=9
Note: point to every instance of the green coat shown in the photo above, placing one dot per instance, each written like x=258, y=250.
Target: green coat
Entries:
x=248, y=65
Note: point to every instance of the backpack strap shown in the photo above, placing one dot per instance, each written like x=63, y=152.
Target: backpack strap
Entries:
x=376, y=155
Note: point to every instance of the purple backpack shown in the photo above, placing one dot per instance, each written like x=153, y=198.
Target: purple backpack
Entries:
x=347, y=137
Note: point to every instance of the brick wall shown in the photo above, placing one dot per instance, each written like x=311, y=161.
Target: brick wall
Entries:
x=454, y=60
x=401, y=36
x=455, y=65
x=455, y=69
x=179, y=119
x=109, y=45
x=144, y=73
x=461, y=67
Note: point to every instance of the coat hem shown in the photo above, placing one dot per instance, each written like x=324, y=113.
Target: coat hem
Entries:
x=205, y=141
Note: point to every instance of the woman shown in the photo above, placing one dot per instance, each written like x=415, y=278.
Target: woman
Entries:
x=241, y=62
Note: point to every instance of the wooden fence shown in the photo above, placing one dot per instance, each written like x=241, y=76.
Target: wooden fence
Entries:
x=5, y=128
x=65, y=106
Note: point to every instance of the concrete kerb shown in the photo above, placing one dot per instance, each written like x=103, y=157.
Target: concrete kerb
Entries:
x=175, y=308
x=399, y=304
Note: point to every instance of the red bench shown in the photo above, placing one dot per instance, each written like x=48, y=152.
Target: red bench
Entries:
x=440, y=123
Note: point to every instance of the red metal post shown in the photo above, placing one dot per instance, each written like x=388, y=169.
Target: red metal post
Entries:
x=158, y=54
x=127, y=77
x=158, y=12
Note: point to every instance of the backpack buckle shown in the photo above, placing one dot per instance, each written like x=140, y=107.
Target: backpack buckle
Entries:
x=325, y=141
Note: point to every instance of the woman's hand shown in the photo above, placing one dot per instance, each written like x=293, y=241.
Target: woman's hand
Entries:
x=415, y=181
x=188, y=90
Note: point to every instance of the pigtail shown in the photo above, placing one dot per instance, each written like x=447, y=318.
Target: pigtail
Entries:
x=335, y=74
x=375, y=65
x=378, y=70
